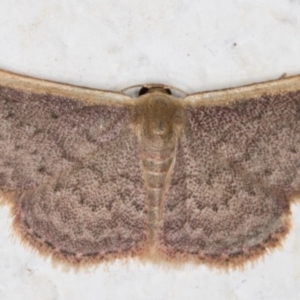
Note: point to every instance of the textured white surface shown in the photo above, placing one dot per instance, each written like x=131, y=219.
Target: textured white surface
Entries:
x=195, y=45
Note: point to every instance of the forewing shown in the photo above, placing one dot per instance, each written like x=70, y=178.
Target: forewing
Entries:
x=236, y=168
x=69, y=165
x=44, y=129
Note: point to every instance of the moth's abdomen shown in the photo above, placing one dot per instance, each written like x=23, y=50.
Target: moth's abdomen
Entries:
x=156, y=162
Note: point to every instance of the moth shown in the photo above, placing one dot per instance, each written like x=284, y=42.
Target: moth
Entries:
x=95, y=175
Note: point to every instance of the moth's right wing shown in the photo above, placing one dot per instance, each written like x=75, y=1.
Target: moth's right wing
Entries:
x=237, y=168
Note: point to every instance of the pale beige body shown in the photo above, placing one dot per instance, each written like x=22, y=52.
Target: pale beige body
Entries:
x=158, y=124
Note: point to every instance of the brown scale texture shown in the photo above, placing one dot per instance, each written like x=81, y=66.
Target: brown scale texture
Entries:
x=236, y=168
x=75, y=172
x=75, y=167
x=41, y=135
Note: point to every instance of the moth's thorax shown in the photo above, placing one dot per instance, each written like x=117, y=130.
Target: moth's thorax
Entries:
x=158, y=121
x=157, y=124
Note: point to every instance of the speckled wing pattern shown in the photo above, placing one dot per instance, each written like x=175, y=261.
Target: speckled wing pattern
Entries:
x=70, y=168
x=237, y=169
x=95, y=175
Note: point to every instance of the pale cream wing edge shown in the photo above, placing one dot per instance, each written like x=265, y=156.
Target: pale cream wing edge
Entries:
x=91, y=96
x=94, y=97
x=226, y=96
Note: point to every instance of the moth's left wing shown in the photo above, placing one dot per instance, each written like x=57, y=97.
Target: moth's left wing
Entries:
x=46, y=127
x=237, y=167
x=69, y=165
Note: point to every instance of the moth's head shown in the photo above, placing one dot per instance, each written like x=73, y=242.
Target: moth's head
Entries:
x=145, y=89
x=155, y=88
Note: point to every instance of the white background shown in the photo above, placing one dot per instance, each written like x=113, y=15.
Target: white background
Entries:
x=195, y=45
